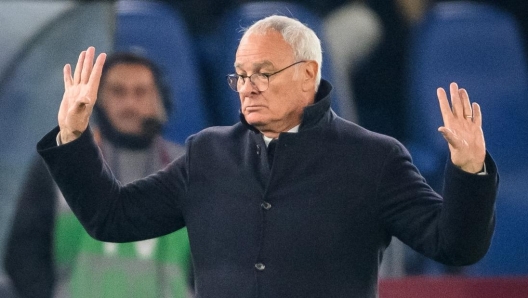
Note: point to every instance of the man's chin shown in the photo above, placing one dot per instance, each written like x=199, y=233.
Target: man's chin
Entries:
x=255, y=121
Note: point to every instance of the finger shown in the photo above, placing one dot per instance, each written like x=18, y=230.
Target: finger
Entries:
x=449, y=136
x=78, y=68
x=456, y=104
x=87, y=65
x=477, y=114
x=68, y=81
x=445, y=109
x=95, y=76
x=464, y=98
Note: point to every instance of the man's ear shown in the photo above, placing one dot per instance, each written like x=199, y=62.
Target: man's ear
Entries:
x=311, y=69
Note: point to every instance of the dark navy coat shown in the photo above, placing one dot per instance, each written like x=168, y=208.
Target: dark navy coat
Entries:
x=315, y=225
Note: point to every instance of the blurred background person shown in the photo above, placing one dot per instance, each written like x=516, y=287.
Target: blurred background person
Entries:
x=49, y=254
x=379, y=83
x=353, y=32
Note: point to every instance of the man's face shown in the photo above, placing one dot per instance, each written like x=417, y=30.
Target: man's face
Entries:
x=129, y=96
x=279, y=107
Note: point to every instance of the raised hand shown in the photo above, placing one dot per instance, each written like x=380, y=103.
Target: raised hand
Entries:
x=80, y=94
x=462, y=129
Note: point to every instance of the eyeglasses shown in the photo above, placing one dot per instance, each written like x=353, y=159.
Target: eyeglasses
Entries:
x=259, y=80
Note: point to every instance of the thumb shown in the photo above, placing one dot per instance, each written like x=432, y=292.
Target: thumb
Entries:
x=83, y=100
x=449, y=136
x=83, y=105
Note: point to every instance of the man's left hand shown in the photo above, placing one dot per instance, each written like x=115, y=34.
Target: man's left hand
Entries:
x=462, y=129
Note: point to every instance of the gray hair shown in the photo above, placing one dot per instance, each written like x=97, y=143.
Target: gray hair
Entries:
x=303, y=40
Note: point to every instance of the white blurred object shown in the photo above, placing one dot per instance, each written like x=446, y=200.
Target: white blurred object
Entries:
x=352, y=32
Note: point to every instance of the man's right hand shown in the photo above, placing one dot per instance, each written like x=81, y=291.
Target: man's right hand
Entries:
x=80, y=94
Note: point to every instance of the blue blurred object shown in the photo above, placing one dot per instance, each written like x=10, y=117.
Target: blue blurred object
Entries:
x=227, y=103
x=38, y=38
x=157, y=31
x=479, y=47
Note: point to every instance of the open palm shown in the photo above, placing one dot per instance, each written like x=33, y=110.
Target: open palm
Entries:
x=80, y=94
x=462, y=129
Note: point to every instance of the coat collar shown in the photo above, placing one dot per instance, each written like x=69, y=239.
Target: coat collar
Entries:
x=313, y=113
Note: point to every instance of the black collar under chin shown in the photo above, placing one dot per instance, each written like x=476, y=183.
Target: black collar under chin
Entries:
x=312, y=113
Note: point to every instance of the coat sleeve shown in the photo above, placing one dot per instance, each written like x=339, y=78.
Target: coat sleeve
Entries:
x=28, y=257
x=454, y=229
x=108, y=210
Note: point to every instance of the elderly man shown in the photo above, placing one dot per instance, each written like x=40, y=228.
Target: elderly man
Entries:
x=309, y=218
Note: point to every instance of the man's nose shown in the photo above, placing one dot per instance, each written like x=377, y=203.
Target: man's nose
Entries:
x=129, y=98
x=247, y=87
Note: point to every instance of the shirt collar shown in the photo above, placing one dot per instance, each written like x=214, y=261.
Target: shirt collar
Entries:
x=294, y=129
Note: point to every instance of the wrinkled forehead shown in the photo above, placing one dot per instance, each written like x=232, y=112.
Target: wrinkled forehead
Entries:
x=263, y=49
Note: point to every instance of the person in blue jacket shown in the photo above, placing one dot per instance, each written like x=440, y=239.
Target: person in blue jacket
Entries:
x=309, y=218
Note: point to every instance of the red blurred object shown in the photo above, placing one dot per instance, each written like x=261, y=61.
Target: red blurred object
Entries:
x=454, y=287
